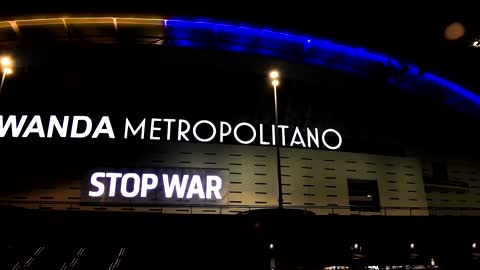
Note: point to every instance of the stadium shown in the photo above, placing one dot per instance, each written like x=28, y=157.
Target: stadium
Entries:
x=142, y=142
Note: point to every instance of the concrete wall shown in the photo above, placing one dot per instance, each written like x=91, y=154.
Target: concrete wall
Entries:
x=444, y=196
x=312, y=179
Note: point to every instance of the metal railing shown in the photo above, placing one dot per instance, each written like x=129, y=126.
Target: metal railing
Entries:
x=233, y=209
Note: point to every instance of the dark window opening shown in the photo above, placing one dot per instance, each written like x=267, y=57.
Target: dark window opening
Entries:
x=439, y=171
x=363, y=195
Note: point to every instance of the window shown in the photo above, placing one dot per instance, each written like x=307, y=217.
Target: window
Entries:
x=439, y=171
x=363, y=195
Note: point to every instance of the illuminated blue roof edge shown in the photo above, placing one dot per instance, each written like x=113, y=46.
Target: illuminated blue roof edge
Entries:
x=245, y=38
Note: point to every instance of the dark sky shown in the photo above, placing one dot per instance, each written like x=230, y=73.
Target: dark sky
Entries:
x=412, y=31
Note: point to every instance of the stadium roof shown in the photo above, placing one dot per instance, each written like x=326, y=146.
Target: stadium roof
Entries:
x=237, y=39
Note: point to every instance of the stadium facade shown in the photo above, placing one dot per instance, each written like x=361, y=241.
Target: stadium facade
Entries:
x=318, y=180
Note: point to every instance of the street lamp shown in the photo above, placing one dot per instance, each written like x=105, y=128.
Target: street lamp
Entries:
x=6, y=61
x=275, y=80
x=6, y=64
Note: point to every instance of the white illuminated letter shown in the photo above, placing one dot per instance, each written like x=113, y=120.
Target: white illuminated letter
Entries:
x=136, y=185
x=196, y=187
x=181, y=132
x=146, y=185
x=74, y=133
x=55, y=124
x=104, y=127
x=113, y=183
x=128, y=127
x=35, y=126
x=296, y=134
x=235, y=133
x=339, y=139
x=282, y=127
x=153, y=128
x=273, y=134
x=12, y=121
x=311, y=136
x=99, y=185
x=169, y=127
x=224, y=133
x=175, y=185
x=262, y=142
x=214, y=131
x=214, y=184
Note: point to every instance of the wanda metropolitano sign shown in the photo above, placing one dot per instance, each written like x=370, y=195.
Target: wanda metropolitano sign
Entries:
x=167, y=184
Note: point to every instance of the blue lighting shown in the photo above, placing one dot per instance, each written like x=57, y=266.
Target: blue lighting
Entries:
x=453, y=87
x=240, y=39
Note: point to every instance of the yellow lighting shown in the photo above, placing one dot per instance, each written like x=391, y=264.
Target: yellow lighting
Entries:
x=6, y=61
x=275, y=82
x=274, y=74
x=7, y=71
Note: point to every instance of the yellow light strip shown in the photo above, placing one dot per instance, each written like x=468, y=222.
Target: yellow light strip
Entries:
x=17, y=24
x=48, y=21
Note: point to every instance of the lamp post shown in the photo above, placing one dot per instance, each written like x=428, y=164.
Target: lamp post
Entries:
x=275, y=80
x=6, y=64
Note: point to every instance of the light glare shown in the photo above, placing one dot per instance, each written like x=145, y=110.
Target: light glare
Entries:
x=6, y=61
x=274, y=74
x=275, y=82
x=7, y=71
